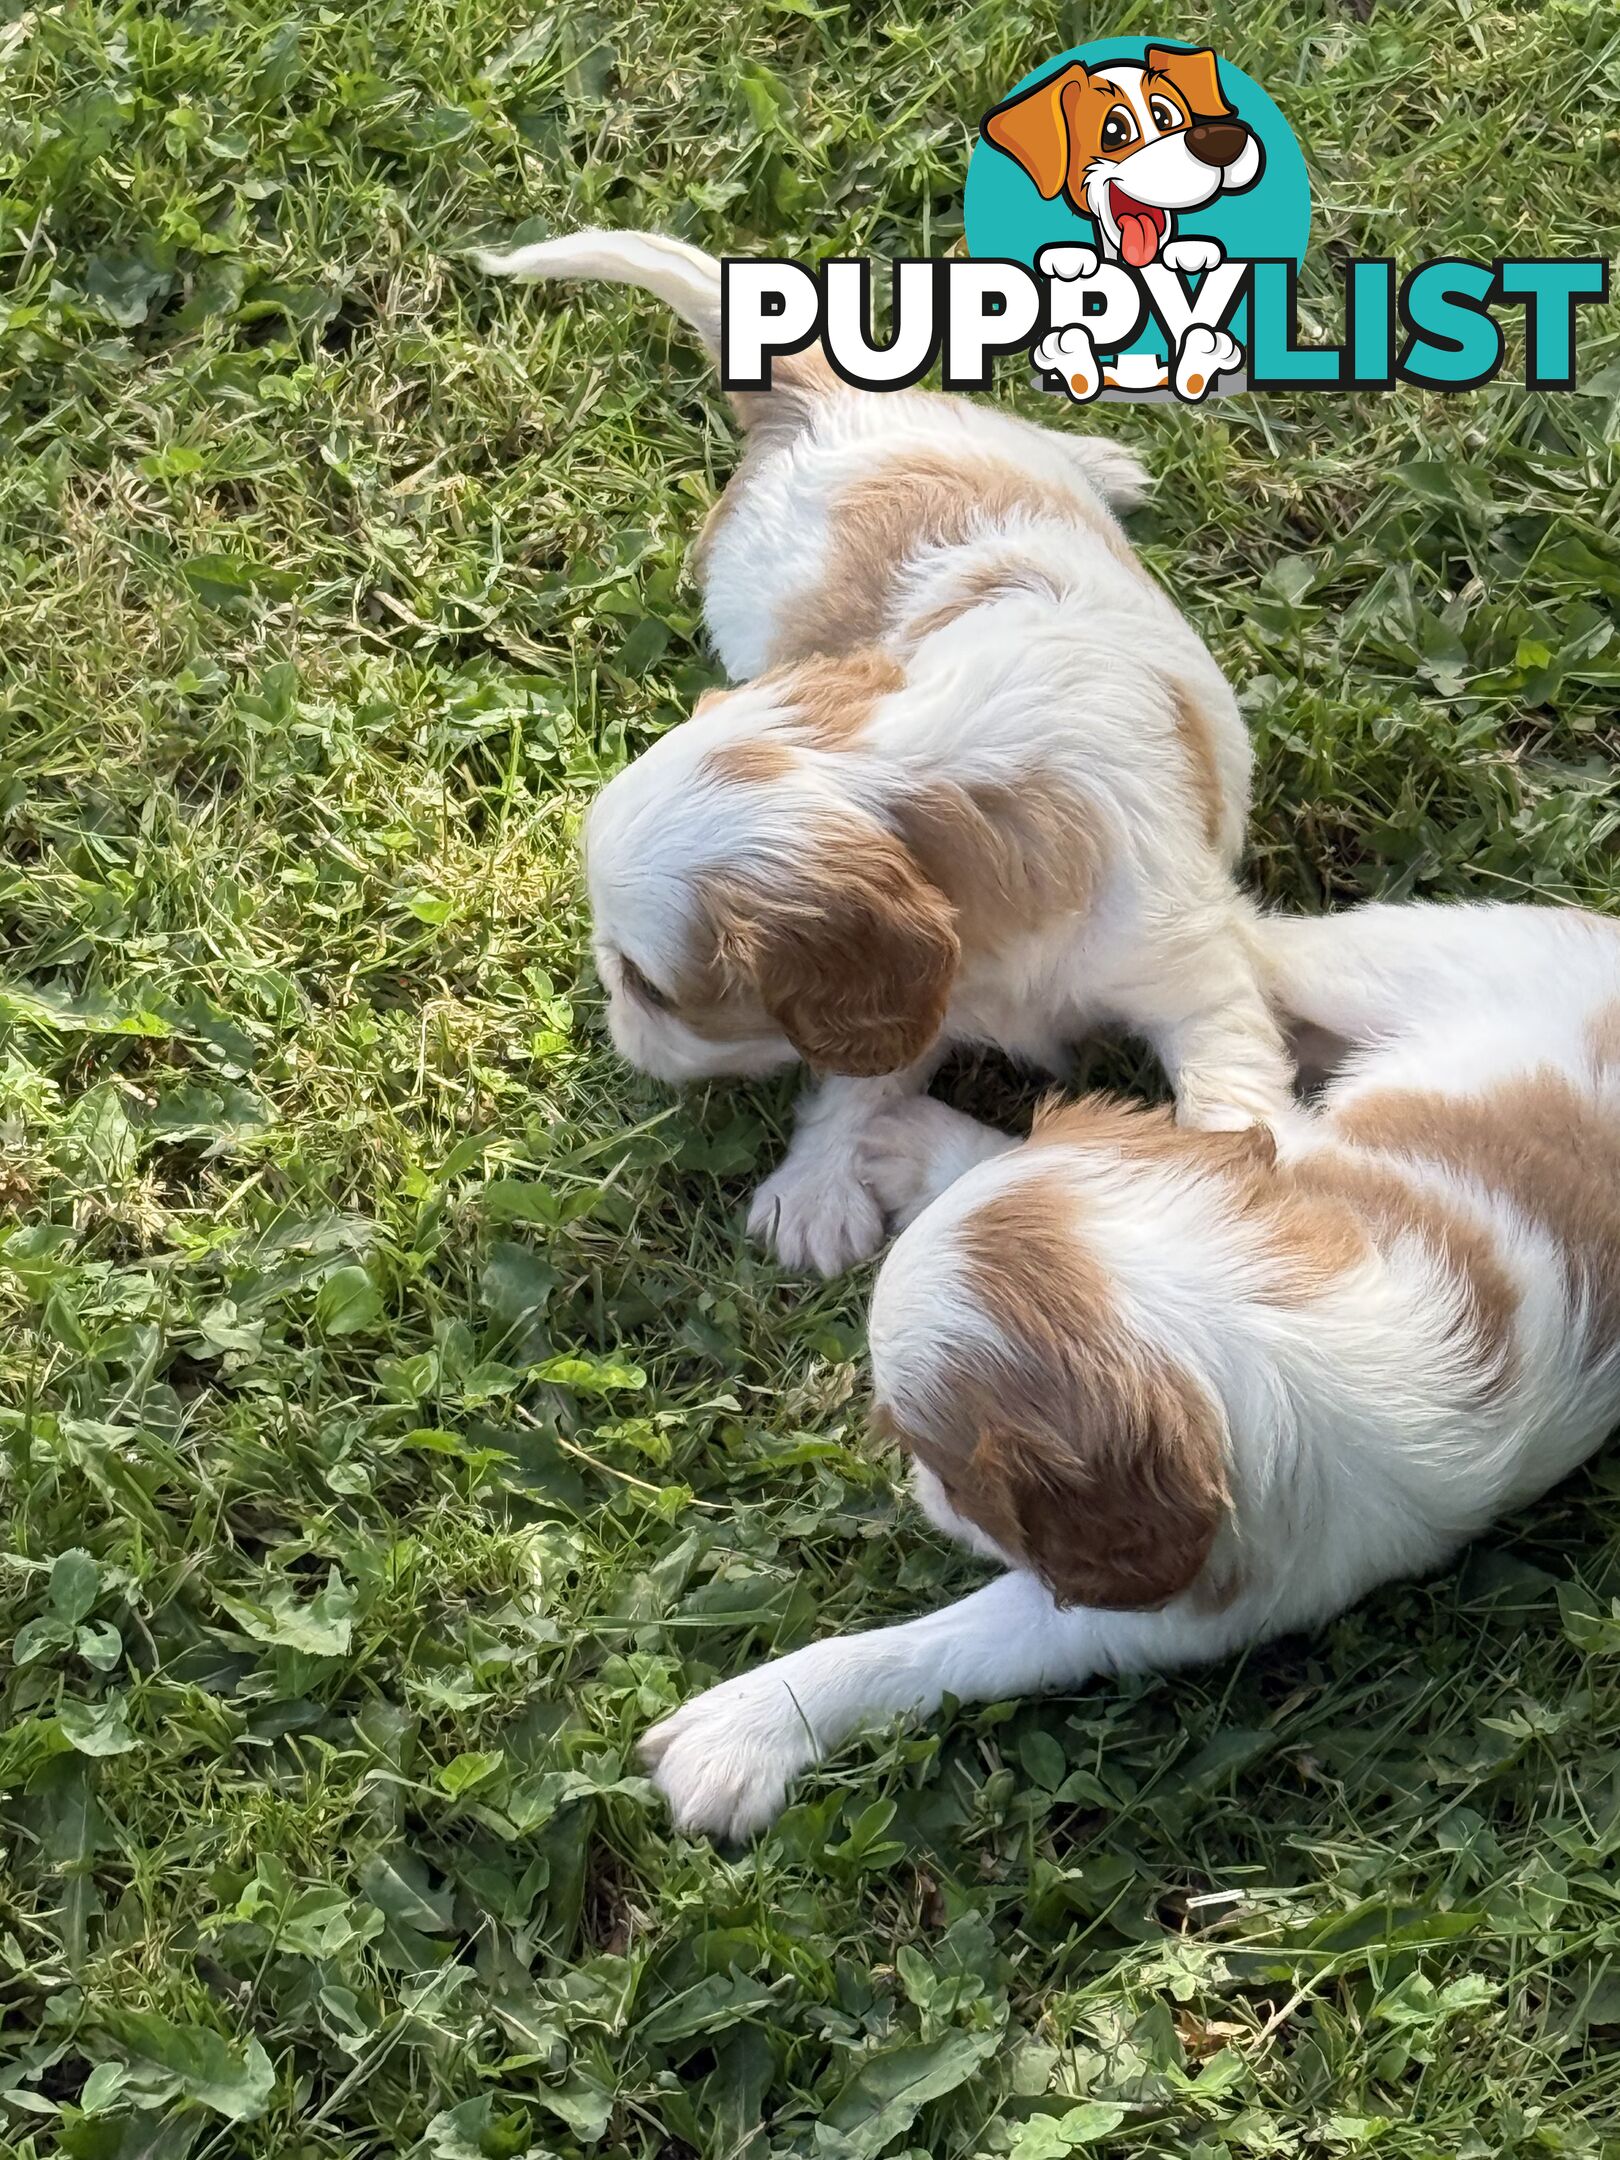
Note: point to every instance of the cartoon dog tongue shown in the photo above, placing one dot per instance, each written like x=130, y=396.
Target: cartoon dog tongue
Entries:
x=1138, y=237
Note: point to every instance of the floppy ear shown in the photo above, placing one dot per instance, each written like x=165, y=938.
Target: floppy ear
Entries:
x=1033, y=129
x=1196, y=76
x=1118, y=1510
x=854, y=961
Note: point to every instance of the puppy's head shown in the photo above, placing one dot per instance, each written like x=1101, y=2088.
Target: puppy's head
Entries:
x=1043, y=1427
x=1129, y=144
x=750, y=908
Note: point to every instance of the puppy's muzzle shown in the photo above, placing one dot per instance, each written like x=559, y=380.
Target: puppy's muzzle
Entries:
x=1217, y=142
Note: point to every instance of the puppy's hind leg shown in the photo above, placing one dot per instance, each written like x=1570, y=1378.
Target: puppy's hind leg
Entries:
x=915, y=1150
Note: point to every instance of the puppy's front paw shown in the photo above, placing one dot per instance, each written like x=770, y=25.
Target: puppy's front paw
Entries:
x=1071, y=354
x=1067, y=262
x=1192, y=257
x=815, y=1219
x=723, y=1761
x=912, y=1151
x=1204, y=355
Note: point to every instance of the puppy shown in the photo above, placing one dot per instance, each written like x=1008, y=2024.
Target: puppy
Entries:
x=982, y=782
x=1131, y=143
x=1196, y=1390
x=1128, y=145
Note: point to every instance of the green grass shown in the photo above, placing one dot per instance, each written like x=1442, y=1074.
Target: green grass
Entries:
x=394, y=1420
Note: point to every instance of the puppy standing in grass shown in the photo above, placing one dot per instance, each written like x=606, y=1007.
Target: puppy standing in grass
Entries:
x=982, y=783
x=1198, y=1390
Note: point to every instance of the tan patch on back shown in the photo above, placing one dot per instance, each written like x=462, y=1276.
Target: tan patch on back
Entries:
x=1390, y=1206
x=1541, y=1144
x=827, y=704
x=833, y=697
x=908, y=507
x=1318, y=1217
x=755, y=762
x=1078, y=1449
x=1603, y=1037
x=1011, y=859
x=980, y=584
x=1196, y=732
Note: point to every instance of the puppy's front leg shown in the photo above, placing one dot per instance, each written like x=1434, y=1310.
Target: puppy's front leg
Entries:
x=815, y=1211
x=1071, y=354
x=1197, y=999
x=724, y=1760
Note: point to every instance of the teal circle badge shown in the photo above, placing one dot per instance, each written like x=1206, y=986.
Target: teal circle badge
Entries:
x=1146, y=154
x=1090, y=111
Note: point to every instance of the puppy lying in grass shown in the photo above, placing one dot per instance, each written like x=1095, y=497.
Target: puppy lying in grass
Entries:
x=1195, y=1390
x=982, y=782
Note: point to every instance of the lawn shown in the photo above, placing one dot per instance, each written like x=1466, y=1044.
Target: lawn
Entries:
x=395, y=1421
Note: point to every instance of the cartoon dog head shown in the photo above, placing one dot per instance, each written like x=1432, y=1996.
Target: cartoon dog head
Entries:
x=1129, y=143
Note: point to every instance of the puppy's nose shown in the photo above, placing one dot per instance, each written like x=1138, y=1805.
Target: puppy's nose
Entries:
x=1216, y=142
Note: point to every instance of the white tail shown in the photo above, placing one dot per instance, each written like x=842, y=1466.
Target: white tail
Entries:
x=688, y=281
x=683, y=277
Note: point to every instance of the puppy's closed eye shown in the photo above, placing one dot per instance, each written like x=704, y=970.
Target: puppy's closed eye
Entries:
x=639, y=986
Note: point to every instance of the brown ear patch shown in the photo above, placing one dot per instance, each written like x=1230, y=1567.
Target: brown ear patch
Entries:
x=853, y=955
x=1120, y=1510
x=1083, y=1453
x=1033, y=129
x=1196, y=75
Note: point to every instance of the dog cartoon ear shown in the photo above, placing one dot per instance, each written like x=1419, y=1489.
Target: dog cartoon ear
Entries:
x=1196, y=75
x=1033, y=128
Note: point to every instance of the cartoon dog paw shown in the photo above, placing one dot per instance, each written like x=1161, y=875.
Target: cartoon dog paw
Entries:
x=1071, y=354
x=1067, y=262
x=1191, y=257
x=1204, y=355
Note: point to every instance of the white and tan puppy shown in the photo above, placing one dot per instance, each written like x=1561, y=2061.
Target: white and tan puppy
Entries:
x=1194, y=1390
x=983, y=783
